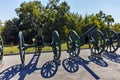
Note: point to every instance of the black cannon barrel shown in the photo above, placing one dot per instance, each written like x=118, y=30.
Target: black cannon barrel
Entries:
x=89, y=30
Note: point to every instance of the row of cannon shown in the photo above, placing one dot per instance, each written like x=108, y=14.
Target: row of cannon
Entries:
x=97, y=40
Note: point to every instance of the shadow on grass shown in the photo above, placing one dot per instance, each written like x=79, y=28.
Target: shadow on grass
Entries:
x=115, y=57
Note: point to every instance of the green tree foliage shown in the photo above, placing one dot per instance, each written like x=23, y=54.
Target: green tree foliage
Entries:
x=87, y=23
x=109, y=20
x=1, y=27
x=52, y=16
x=29, y=14
x=116, y=27
x=55, y=15
x=10, y=31
x=105, y=21
x=0, y=23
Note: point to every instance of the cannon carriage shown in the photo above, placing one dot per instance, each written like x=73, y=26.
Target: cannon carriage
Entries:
x=112, y=41
x=39, y=43
x=93, y=37
x=111, y=37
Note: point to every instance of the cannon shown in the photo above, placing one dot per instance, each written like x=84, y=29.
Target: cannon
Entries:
x=39, y=43
x=92, y=36
x=112, y=41
x=1, y=49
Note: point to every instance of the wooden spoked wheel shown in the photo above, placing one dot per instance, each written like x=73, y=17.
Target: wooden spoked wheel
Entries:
x=73, y=43
x=56, y=45
x=112, y=41
x=97, y=42
x=21, y=48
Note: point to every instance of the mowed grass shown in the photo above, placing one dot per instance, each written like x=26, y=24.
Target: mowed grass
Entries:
x=14, y=49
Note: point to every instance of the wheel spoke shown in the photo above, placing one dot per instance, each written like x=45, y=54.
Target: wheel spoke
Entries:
x=113, y=47
x=110, y=48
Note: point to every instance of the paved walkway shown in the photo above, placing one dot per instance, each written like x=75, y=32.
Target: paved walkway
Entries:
x=43, y=68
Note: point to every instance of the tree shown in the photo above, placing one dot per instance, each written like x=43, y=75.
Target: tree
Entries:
x=0, y=23
x=1, y=27
x=10, y=32
x=109, y=20
x=30, y=14
x=56, y=17
x=116, y=27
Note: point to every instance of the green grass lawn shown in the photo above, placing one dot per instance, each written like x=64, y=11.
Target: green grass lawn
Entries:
x=14, y=49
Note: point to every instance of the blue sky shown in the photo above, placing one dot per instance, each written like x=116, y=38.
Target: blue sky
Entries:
x=110, y=7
